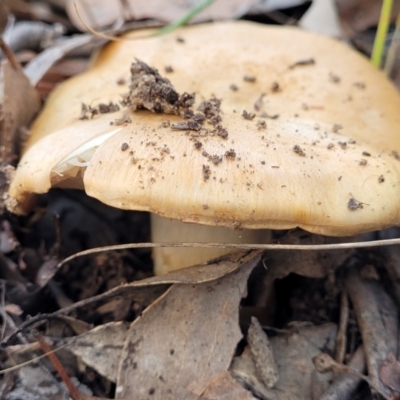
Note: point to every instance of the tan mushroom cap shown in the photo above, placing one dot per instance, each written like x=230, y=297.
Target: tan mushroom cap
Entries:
x=327, y=163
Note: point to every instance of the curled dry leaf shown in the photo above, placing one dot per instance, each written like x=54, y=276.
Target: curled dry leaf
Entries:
x=199, y=331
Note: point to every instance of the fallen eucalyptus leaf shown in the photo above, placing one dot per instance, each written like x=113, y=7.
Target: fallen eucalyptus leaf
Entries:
x=183, y=339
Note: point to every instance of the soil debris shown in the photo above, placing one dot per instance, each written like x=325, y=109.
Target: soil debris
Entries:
x=165, y=124
x=396, y=155
x=216, y=159
x=206, y=172
x=334, y=78
x=222, y=132
x=168, y=69
x=88, y=112
x=301, y=63
x=124, y=146
x=275, y=87
x=149, y=90
x=354, y=204
x=249, y=78
x=247, y=115
x=230, y=154
x=186, y=125
x=366, y=154
x=298, y=150
x=259, y=102
x=359, y=85
x=211, y=109
x=363, y=162
x=124, y=120
x=336, y=128
x=261, y=124
x=272, y=116
x=233, y=87
x=381, y=179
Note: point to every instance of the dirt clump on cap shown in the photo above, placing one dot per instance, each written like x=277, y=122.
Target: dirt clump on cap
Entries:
x=149, y=90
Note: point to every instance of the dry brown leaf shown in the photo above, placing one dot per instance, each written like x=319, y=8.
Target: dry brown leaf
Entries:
x=8, y=242
x=97, y=14
x=310, y=264
x=107, y=340
x=359, y=15
x=322, y=17
x=147, y=290
x=34, y=384
x=390, y=373
x=218, y=10
x=293, y=356
x=19, y=103
x=262, y=354
x=101, y=348
x=37, y=68
x=223, y=387
x=185, y=338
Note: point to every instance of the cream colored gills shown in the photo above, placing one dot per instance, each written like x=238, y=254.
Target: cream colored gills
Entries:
x=321, y=152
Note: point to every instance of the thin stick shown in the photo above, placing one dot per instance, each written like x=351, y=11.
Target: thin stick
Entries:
x=335, y=246
x=73, y=391
x=341, y=337
x=9, y=54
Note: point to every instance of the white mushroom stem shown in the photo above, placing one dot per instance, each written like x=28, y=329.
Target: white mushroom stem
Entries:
x=166, y=230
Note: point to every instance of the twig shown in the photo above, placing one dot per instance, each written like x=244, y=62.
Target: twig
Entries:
x=323, y=362
x=345, y=384
x=73, y=391
x=9, y=54
x=377, y=319
x=35, y=360
x=2, y=307
x=341, y=337
x=8, y=320
x=335, y=246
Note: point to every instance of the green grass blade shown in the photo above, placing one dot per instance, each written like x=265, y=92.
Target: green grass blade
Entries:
x=185, y=19
x=383, y=26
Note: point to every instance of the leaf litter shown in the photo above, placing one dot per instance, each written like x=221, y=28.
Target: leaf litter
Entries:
x=104, y=347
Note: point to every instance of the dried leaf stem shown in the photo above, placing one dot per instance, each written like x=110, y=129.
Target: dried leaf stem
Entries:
x=270, y=246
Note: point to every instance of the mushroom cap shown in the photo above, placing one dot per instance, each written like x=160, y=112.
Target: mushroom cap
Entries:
x=326, y=161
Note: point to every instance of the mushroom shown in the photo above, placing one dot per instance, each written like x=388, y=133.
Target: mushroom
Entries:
x=309, y=138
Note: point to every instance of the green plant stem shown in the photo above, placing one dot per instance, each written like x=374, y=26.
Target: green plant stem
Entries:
x=379, y=43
